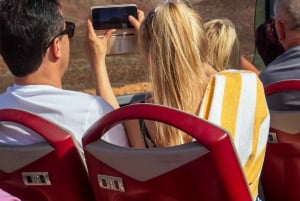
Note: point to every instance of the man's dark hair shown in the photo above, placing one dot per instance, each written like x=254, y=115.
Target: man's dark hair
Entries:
x=26, y=29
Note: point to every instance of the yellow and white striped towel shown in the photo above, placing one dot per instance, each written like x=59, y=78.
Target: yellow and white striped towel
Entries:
x=235, y=101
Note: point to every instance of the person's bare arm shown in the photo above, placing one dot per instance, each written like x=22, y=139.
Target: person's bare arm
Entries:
x=247, y=65
x=134, y=134
x=136, y=23
x=97, y=48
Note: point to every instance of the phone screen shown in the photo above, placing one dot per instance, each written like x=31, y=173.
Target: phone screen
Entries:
x=115, y=17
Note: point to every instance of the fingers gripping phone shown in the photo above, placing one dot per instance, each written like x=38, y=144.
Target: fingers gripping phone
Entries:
x=107, y=17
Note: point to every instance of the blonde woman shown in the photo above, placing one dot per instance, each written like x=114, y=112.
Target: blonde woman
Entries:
x=224, y=46
x=175, y=45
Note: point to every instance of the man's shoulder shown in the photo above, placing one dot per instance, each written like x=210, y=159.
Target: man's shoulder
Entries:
x=46, y=93
x=40, y=90
x=285, y=66
x=78, y=96
x=291, y=55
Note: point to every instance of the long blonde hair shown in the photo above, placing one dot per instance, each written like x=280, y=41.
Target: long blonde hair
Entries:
x=175, y=43
x=224, y=46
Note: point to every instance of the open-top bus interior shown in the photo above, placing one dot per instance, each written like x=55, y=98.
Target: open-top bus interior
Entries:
x=212, y=175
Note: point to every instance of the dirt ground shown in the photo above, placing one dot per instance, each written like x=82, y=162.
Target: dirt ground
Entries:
x=128, y=73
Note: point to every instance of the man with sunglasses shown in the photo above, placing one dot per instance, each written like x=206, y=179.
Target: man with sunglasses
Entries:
x=287, y=65
x=34, y=43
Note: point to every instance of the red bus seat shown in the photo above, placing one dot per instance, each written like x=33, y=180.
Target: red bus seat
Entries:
x=48, y=171
x=281, y=171
x=207, y=169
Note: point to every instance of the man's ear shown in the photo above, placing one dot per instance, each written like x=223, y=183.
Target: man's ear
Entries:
x=56, y=48
x=280, y=30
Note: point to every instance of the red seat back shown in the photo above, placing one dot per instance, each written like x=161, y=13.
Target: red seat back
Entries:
x=281, y=171
x=48, y=171
x=207, y=169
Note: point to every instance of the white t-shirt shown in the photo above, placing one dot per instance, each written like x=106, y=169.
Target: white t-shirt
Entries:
x=5, y=196
x=73, y=111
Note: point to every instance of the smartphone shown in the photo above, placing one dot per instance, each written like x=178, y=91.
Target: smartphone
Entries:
x=116, y=17
x=113, y=16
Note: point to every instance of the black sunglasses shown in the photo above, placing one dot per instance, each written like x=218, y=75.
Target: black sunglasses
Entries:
x=70, y=29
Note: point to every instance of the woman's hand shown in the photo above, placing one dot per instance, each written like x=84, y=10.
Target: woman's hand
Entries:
x=97, y=46
x=136, y=23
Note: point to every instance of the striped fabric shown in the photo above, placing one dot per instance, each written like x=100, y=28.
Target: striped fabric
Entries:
x=235, y=100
